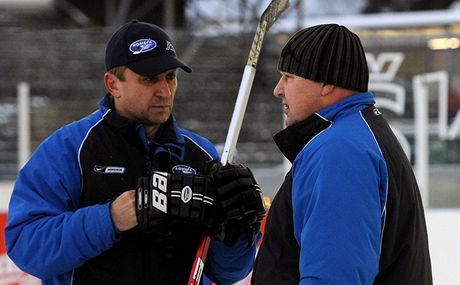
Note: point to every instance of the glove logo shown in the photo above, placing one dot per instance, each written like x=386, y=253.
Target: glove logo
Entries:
x=186, y=194
x=159, y=190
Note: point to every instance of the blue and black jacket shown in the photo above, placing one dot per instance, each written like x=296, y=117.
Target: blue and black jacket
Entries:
x=59, y=225
x=349, y=210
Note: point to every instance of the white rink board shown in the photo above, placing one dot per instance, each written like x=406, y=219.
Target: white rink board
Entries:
x=6, y=187
x=444, y=238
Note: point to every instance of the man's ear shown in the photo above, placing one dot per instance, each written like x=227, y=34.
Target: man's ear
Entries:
x=111, y=84
x=327, y=89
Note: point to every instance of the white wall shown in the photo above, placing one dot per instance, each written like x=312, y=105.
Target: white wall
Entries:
x=26, y=3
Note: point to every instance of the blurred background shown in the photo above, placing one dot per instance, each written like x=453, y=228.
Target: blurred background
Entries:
x=52, y=65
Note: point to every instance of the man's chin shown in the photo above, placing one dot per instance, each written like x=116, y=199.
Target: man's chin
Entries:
x=160, y=118
x=287, y=121
x=155, y=121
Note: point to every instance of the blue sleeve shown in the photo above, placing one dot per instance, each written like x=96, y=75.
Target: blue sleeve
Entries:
x=337, y=213
x=46, y=235
x=227, y=265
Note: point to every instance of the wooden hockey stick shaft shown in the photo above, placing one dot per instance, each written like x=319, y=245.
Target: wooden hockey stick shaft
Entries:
x=269, y=16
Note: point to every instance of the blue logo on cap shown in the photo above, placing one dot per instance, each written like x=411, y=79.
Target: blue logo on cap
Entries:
x=142, y=45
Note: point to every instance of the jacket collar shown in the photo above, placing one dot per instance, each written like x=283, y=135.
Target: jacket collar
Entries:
x=350, y=104
x=293, y=138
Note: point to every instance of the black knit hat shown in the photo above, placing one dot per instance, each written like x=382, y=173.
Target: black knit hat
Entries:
x=330, y=54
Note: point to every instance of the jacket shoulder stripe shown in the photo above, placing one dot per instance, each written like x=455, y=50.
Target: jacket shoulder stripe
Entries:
x=84, y=140
x=197, y=144
x=384, y=210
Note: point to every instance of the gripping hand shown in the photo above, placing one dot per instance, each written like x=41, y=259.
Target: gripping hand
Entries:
x=163, y=196
x=239, y=199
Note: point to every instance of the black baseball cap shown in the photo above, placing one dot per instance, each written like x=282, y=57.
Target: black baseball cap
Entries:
x=144, y=48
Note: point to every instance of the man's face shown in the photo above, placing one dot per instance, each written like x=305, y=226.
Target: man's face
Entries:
x=147, y=100
x=300, y=97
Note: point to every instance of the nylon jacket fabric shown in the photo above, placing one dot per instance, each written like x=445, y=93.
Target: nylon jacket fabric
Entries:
x=59, y=224
x=349, y=210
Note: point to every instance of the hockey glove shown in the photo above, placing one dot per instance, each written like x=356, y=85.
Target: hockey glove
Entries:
x=163, y=196
x=239, y=201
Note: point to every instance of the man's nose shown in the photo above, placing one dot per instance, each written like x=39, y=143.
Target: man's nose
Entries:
x=279, y=89
x=163, y=88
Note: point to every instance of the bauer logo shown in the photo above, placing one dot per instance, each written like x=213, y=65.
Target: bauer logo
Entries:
x=109, y=169
x=184, y=169
x=142, y=45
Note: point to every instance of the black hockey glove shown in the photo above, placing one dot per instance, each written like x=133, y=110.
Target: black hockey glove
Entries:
x=182, y=197
x=239, y=201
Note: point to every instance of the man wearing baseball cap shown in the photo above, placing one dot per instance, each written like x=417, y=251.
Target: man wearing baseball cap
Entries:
x=349, y=210
x=122, y=196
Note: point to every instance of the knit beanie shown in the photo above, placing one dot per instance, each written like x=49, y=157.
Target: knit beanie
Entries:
x=328, y=53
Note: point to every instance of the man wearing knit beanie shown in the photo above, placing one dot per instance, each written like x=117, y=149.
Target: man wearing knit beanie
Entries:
x=349, y=210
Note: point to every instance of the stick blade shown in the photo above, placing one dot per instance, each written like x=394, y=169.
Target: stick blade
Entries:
x=273, y=11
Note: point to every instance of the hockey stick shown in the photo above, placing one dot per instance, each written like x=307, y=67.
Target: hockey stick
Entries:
x=269, y=16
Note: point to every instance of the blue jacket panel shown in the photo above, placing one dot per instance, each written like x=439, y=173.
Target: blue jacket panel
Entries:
x=337, y=216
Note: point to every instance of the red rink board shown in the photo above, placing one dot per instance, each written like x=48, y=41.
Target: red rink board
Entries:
x=10, y=274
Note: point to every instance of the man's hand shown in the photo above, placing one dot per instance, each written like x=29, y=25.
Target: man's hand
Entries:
x=239, y=200
x=123, y=211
